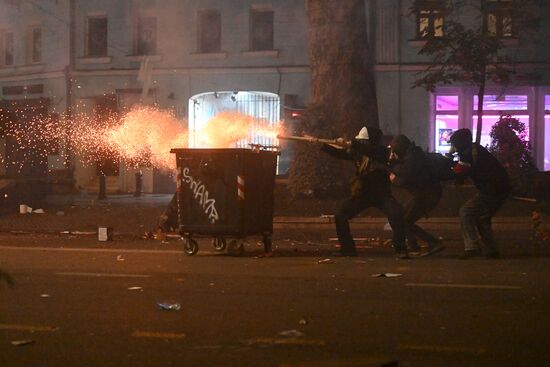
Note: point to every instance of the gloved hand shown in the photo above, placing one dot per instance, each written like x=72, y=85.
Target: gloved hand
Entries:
x=462, y=168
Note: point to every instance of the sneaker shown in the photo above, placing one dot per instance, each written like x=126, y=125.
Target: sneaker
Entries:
x=433, y=249
x=470, y=254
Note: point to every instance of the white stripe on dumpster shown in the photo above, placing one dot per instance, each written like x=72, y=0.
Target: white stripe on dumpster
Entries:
x=468, y=286
x=106, y=275
x=240, y=187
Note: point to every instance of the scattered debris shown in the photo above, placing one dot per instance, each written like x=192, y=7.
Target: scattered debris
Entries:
x=20, y=343
x=292, y=333
x=39, y=211
x=105, y=234
x=44, y=295
x=303, y=322
x=135, y=288
x=169, y=306
x=325, y=261
x=386, y=275
x=120, y=258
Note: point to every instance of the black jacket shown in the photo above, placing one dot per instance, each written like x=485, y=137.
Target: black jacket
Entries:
x=373, y=178
x=414, y=172
x=488, y=174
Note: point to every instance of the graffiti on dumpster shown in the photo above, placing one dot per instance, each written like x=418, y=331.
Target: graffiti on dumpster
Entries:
x=201, y=194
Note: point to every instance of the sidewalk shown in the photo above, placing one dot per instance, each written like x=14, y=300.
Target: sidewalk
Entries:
x=133, y=216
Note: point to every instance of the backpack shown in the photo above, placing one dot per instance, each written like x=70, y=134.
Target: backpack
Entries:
x=441, y=166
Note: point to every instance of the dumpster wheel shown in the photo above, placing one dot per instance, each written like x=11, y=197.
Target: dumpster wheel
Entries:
x=190, y=246
x=219, y=243
x=235, y=247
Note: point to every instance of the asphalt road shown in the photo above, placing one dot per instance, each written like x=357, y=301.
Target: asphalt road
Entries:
x=71, y=298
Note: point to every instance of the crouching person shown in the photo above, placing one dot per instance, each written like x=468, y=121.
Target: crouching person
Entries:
x=371, y=188
x=492, y=183
x=412, y=171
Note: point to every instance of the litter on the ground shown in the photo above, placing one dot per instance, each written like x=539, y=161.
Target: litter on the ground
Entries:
x=302, y=322
x=169, y=306
x=292, y=333
x=44, y=295
x=39, y=211
x=20, y=343
x=135, y=288
x=325, y=261
x=120, y=258
x=386, y=275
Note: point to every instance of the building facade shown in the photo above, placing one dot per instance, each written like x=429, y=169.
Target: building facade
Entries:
x=199, y=57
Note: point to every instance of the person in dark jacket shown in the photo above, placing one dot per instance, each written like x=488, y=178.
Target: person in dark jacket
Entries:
x=491, y=180
x=371, y=188
x=412, y=171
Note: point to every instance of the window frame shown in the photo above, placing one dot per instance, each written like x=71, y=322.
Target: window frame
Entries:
x=500, y=9
x=31, y=58
x=253, y=42
x=202, y=14
x=88, y=35
x=137, y=50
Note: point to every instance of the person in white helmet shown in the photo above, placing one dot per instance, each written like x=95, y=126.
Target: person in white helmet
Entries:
x=371, y=188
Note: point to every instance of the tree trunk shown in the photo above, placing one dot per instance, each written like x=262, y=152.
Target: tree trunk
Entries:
x=343, y=97
x=480, y=96
x=341, y=78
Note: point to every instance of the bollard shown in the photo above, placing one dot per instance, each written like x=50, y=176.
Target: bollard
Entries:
x=102, y=187
x=139, y=182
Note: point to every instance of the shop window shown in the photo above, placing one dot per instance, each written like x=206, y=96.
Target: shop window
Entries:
x=6, y=48
x=496, y=105
x=34, y=45
x=498, y=18
x=146, y=42
x=547, y=132
x=97, y=36
x=446, y=120
x=209, y=31
x=261, y=30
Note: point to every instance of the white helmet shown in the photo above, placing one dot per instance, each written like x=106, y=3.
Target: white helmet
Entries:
x=363, y=134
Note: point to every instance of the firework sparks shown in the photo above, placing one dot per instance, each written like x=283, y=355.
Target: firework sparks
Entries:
x=143, y=136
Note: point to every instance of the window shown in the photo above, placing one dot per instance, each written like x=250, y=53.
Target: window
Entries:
x=429, y=23
x=97, y=36
x=498, y=18
x=34, y=45
x=6, y=48
x=210, y=31
x=496, y=105
x=146, y=42
x=261, y=30
x=446, y=120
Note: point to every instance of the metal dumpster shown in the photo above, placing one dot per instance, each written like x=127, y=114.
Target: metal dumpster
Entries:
x=226, y=194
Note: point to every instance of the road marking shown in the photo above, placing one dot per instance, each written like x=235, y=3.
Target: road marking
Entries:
x=157, y=334
x=442, y=348
x=471, y=286
x=106, y=275
x=284, y=341
x=105, y=250
x=31, y=328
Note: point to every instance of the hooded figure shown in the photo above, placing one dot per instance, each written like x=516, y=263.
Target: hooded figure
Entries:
x=412, y=171
x=370, y=188
x=491, y=180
